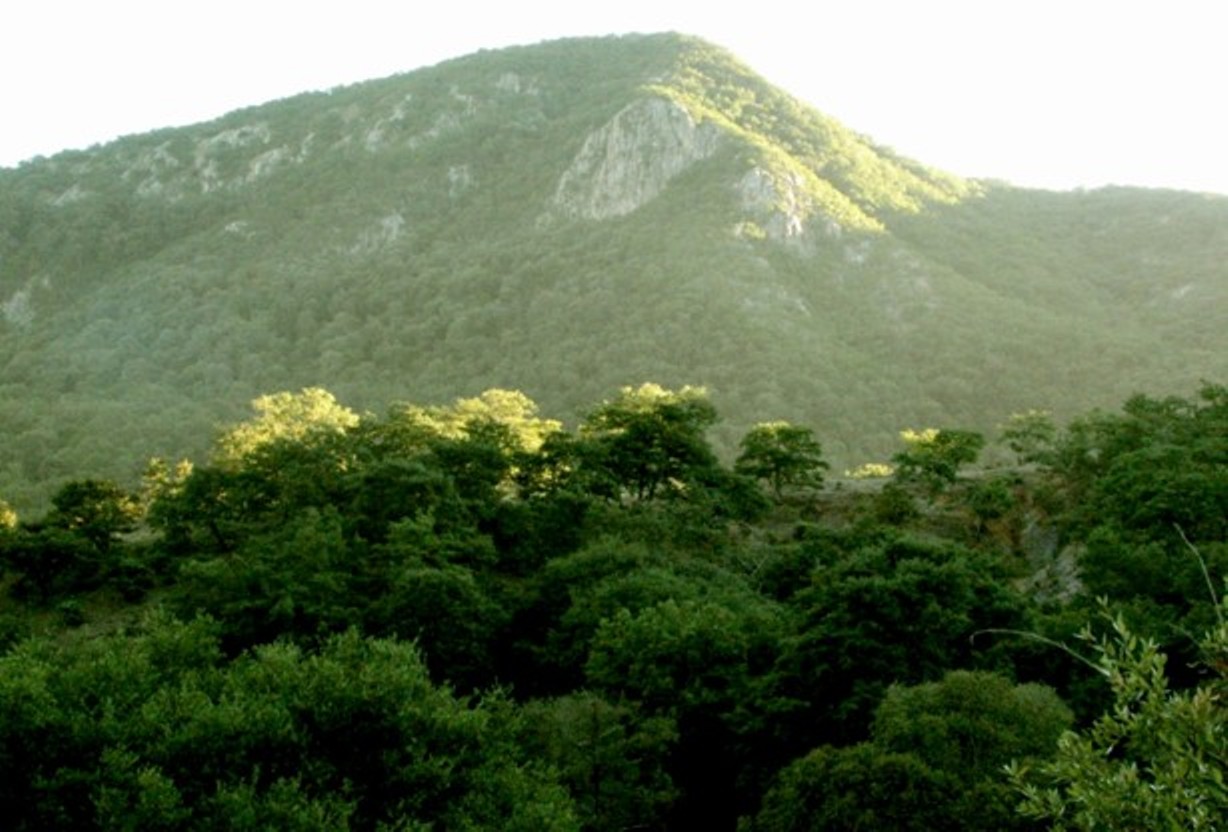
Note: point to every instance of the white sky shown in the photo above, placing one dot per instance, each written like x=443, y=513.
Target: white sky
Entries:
x=1044, y=93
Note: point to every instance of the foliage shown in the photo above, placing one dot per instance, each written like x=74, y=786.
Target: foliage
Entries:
x=8, y=517
x=1139, y=488
x=894, y=505
x=1160, y=463
x=1154, y=760
x=859, y=787
x=298, y=417
x=153, y=728
x=611, y=759
x=649, y=441
x=990, y=500
x=971, y=723
x=1030, y=435
x=50, y=562
x=934, y=761
x=934, y=457
x=646, y=640
x=869, y=471
x=511, y=409
x=897, y=610
x=783, y=455
x=403, y=235
x=287, y=582
x=97, y=510
x=695, y=662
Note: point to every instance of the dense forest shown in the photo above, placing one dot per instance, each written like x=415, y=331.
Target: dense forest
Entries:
x=470, y=616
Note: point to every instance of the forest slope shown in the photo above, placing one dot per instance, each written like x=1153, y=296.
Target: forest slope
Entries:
x=563, y=219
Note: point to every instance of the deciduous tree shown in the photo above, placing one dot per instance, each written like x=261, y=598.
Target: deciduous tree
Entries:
x=782, y=455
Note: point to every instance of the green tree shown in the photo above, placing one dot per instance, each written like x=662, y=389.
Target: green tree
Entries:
x=152, y=729
x=611, y=758
x=935, y=761
x=969, y=725
x=1031, y=436
x=1139, y=488
x=512, y=410
x=98, y=510
x=896, y=610
x=1158, y=463
x=782, y=455
x=934, y=457
x=288, y=582
x=446, y=611
x=8, y=517
x=312, y=412
x=649, y=441
x=50, y=561
x=859, y=787
x=698, y=662
x=1156, y=759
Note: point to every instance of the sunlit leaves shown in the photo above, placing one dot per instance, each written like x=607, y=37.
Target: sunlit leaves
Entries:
x=934, y=456
x=285, y=416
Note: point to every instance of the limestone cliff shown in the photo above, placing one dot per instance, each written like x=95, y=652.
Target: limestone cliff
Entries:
x=629, y=160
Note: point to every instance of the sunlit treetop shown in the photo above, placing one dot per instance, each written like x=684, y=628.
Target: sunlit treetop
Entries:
x=285, y=416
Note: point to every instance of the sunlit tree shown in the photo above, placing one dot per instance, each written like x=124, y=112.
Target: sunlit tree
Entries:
x=649, y=440
x=934, y=457
x=285, y=416
x=783, y=455
x=8, y=517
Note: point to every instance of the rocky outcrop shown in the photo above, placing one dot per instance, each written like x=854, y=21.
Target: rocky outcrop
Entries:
x=779, y=205
x=630, y=160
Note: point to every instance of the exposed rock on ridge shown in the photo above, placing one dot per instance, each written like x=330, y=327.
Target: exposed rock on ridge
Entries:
x=631, y=159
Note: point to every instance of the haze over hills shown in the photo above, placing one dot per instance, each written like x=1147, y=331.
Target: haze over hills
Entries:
x=564, y=219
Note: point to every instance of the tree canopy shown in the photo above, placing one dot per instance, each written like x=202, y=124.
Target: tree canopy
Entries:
x=472, y=616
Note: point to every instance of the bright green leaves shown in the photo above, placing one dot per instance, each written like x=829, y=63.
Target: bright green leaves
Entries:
x=299, y=417
x=8, y=517
x=510, y=408
x=678, y=661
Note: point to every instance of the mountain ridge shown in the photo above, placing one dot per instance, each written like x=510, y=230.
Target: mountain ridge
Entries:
x=565, y=218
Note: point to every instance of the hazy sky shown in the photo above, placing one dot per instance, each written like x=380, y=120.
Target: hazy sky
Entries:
x=1046, y=93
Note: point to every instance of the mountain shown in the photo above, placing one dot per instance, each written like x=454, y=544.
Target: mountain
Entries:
x=563, y=219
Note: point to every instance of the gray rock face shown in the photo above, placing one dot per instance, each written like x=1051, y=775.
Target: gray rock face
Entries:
x=781, y=206
x=631, y=159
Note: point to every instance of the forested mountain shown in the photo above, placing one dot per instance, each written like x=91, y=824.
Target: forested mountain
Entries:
x=563, y=219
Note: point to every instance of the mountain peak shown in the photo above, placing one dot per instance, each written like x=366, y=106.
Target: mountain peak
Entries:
x=567, y=218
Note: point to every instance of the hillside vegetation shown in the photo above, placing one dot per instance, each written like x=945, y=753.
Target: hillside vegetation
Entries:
x=563, y=219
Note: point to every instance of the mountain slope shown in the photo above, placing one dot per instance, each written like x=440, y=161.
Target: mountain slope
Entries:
x=565, y=218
